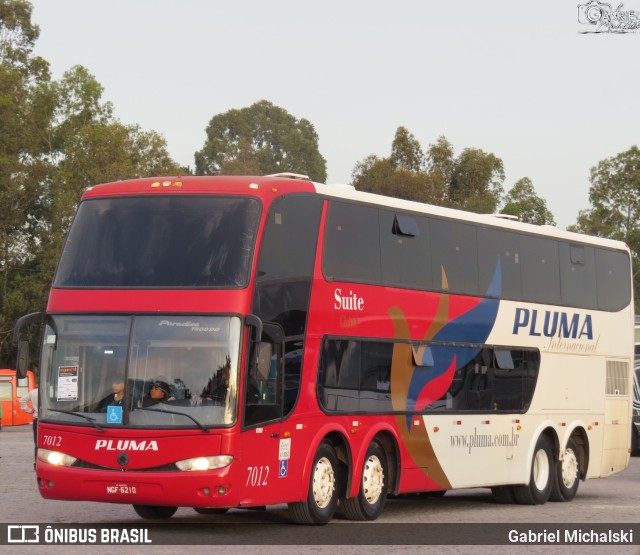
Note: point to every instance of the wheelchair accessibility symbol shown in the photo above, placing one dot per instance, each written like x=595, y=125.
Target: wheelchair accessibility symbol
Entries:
x=284, y=468
x=114, y=415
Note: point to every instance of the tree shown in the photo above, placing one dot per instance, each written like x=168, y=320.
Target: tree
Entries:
x=476, y=181
x=259, y=140
x=21, y=76
x=406, y=154
x=56, y=138
x=615, y=205
x=523, y=202
x=440, y=161
x=472, y=181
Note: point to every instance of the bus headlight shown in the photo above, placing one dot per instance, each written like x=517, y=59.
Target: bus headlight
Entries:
x=55, y=457
x=204, y=463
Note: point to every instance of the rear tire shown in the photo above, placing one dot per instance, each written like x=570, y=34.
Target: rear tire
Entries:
x=567, y=474
x=154, y=512
x=542, y=476
x=322, y=497
x=369, y=502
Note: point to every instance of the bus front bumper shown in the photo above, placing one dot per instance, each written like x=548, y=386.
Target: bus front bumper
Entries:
x=181, y=489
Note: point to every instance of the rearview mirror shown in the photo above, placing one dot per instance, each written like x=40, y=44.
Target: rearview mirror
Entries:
x=22, y=364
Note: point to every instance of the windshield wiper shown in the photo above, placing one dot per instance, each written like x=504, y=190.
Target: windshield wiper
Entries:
x=92, y=420
x=203, y=428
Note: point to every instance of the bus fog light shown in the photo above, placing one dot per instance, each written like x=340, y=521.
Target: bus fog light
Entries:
x=55, y=457
x=222, y=490
x=204, y=463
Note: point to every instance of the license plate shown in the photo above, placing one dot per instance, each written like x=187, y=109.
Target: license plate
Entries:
x=121, y=489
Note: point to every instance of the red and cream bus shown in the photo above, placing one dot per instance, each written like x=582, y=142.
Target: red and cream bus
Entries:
x=323, y=347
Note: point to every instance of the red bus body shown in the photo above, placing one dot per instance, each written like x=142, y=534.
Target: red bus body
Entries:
x=11, y=390
x=273, y=461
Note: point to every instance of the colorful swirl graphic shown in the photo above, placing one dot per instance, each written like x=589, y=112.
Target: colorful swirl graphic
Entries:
x=421, y=375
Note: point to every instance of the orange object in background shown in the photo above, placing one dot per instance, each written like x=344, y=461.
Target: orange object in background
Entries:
x=11, y=389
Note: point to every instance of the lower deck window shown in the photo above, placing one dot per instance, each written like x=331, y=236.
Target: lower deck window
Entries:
x=357, y=376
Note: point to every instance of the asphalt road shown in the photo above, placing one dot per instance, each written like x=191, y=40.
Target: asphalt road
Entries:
x=404, y=526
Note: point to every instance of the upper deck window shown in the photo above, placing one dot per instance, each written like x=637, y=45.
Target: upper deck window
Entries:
x=160, y=242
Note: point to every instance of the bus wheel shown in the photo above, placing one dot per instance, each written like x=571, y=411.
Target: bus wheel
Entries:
x=567, y=478
x=210, y=510
x=503, y=495
x=541, y=480
x=373, y=488
x=322, y=497
x=153, y=511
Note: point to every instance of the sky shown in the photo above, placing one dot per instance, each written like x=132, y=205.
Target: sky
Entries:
x=525, y=81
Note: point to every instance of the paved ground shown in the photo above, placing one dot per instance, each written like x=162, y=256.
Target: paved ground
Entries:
x=616, y=499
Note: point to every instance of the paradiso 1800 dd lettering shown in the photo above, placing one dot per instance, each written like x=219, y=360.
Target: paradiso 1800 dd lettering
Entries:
x=553, y=324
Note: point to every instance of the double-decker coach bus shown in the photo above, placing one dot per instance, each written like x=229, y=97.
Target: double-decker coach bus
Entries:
x=220, y=342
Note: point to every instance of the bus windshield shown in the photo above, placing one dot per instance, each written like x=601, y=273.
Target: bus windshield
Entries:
x=160, y=242
x=141, y=371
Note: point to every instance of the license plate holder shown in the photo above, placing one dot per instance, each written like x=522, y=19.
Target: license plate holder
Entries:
x=120, y=488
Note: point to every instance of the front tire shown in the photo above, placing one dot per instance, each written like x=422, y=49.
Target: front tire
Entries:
x=541, y=479
x=154, y=512
x=567, y=474
x=322, y=497
x=373, y=487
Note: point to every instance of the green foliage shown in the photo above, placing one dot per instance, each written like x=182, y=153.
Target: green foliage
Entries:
x=523, y=202
x=615, y=205
x=259, y=140
x=476, y=181
x=56, y=138
x=406, y=154
x=472, y=181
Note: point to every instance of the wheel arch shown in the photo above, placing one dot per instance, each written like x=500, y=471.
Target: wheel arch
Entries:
x=390, y=445
x=548, y=430
x=337, y=438
x=579, y=435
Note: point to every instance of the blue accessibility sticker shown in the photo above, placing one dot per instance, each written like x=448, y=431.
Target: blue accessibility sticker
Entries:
x=114, y=415
x=284, y=468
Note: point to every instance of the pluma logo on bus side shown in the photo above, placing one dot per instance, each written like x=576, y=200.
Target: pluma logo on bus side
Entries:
x=549, y=323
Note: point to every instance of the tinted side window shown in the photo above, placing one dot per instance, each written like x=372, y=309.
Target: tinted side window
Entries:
x=455, y=251
x=352, y=245
x=355, y=376
x=375, y=377
x=578, y=275
x=339, y=375
x=283, y=282
x=495, y=379
x=406, y=259
x=496, y=245
x=612, y=279
x=540, y=270
x=291, y=233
